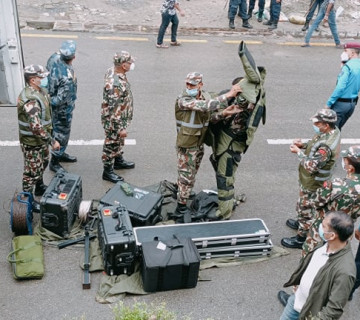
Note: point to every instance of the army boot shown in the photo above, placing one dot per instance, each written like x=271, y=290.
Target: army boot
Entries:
x=40, y=188
x=35, y=205
x=306, y=26
x=231, y=24
x=55, y=164
x=250, y=12
x=267, y=23
x=293, y=242
x=273, y=26
x=246, y=24
x=121, y=163
x=182, y=214
x=110, y=175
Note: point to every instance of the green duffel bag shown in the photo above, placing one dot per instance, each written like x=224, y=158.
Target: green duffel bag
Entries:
x=27, y=257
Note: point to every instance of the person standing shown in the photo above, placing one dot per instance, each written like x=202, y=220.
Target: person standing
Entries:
x=192, y=113
x=317, y=159
x=35, y=130
x=325, y=277
x=261, y=5
x=116, y=115
x=275, y=10
x=310, y=13
x=62, y=87
x=325, y=14
x=346, y=93
x=234, y=5
x=168, y=14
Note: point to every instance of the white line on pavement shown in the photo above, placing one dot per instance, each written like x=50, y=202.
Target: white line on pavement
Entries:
x=96, y=142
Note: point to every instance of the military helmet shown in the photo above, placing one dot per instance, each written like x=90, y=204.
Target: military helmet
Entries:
x=67, y=49
x=194, y=78
x=122, y=57
x=353, y=152
x=325, y=115
x=35, y=70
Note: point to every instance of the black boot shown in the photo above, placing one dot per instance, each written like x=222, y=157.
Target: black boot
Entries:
x=121, y=163
x=292, y=223
x=293, y=242
x=306, y=26
x=182, y=214
x=250, y=13
x=267, y=23
x=246, y=24
x=35, y=206
x=260, y=16
x=55, y=164
x=40, y=188
x=273, y=26
x=231, y=24
x=65, y=157
x=110, y=175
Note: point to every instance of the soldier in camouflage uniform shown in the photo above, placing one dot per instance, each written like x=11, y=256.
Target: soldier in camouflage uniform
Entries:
x=192, y=113
x=116, y=115
x=34, y=117
x=317, y=158
x=230, y=136
x=62, y=89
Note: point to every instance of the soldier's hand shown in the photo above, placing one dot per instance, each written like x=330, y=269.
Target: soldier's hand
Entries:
x=357, y=234
x=123, y=133
x=298, y=143
x=230, y=110
x=235, y=89
x=294, y=148
x=56, y=145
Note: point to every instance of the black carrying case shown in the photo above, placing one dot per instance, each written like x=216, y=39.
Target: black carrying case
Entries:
x=144, y=206
x=169, y=265
x=116, y=240
x=60, y=203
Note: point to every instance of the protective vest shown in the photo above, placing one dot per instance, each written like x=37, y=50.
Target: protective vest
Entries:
x=312, y=181
x=191, y=125
x=25, y=134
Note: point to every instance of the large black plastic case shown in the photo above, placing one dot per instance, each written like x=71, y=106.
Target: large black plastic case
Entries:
x=116, y=240
x=144, y=206
x=225, y=235
x=60, y=203
x=169, y=264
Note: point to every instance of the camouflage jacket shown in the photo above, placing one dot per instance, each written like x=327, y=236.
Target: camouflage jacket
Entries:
x=62, y=84
x=117, y=104
x=342, y=194
x=34, y=116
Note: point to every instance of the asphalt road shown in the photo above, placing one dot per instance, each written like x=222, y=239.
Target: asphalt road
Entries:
x=298, y=83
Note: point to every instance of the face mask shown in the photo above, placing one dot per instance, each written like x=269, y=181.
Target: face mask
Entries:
x=316, y=129
x=344, y=57
x=321, y=232
x=132, y=66
x=343, y=164
x=44, y=82
x=192, y=92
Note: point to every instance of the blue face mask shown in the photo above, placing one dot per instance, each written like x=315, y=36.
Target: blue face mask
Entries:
x=44, y=82
x=316, y=129
x=321, y=232
x=192, y=92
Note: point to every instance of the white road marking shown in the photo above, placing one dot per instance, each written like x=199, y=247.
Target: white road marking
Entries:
x=289, y=141
x=96, y=142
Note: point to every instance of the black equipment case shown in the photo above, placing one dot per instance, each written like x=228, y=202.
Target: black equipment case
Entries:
x=169, y=264
x=144, y=206
x=116, y=240
x=222, y=237
x=60, y=203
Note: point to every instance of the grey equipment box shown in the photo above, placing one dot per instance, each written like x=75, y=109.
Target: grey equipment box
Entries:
x=216, y=235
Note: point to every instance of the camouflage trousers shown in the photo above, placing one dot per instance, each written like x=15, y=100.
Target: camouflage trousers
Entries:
x=228, y=156
x=61, y=121
x=113, y=145
x=304, y=211
x=313, y=238
x=36, y=159
x=188, y=164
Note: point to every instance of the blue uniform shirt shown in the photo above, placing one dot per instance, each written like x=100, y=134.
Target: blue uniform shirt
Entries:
x=348, y=82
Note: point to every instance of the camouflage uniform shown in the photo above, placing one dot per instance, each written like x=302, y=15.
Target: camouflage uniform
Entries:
x=34, y=117
x=192, y=120
x=63, y=92
x=341, y=194
x=116, y=113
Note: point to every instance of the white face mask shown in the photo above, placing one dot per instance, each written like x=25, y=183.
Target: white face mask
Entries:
x=344, y=57
x=132, y=66
x=343, y=164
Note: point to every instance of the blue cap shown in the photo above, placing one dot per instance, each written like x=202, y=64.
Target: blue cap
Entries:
x=68, y=49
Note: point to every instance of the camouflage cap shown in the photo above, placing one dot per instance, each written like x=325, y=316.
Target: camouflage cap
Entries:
x=353, y=153
x=324, y=115
x=67, y=49
x=352, y=45
x=194, y=78
x=35, y=70
x=122, y=57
